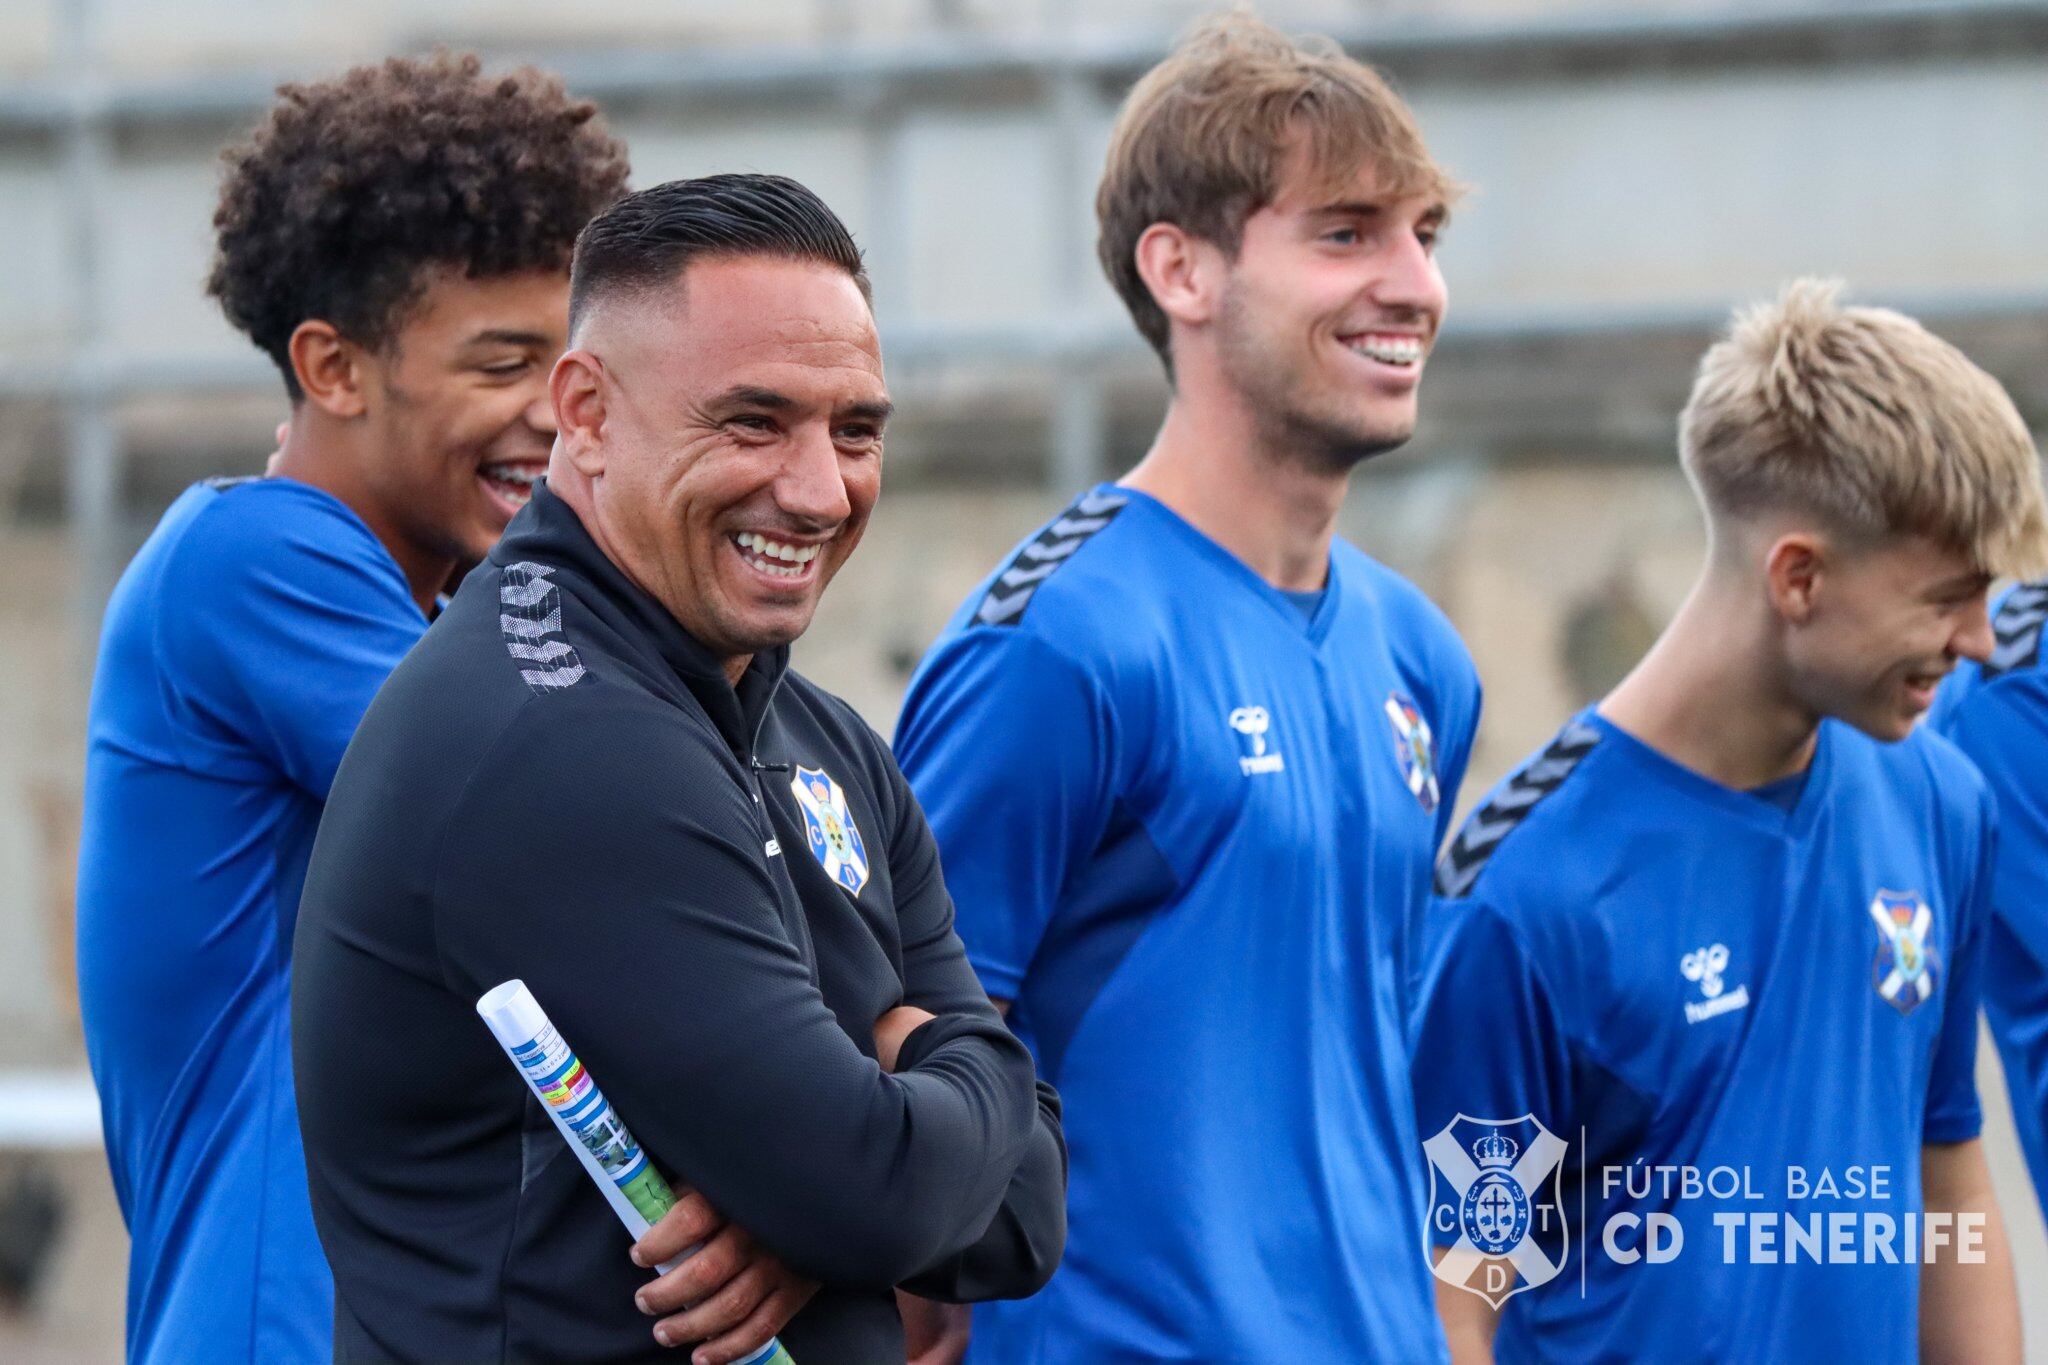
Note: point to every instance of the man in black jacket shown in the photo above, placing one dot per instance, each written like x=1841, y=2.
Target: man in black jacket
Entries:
x=596, y=773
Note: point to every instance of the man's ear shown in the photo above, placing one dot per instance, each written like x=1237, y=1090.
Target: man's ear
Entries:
x=1183, y=272
x=330, y=368
x=578, y=387
x=1795, y=567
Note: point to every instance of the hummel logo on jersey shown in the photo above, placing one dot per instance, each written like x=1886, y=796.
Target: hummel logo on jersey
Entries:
x=1251, y=724
x=1704, y=966
x=1907, y=968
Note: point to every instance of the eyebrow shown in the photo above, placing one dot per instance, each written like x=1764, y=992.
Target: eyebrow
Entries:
x=1976, y=580
x=502, y=336
x=754, y=396
x=1364, y=208
x=1354, y=208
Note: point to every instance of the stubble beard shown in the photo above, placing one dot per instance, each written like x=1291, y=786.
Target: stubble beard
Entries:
x=1291, y=425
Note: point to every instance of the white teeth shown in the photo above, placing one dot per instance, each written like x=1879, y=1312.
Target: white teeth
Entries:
x=1389, y=350
x=514, y=488
x=505, y=473
x=781, y=558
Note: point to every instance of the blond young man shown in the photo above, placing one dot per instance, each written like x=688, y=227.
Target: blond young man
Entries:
x=1702, y=1001
x=1189, y=756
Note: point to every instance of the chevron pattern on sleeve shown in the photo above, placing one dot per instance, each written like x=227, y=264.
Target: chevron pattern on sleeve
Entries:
x=2018, y=628
x=1484, y=829
x=1004, y=603
x=530, y=618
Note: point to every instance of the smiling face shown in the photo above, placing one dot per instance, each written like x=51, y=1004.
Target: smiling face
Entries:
x=726, y=434
x=457, y=403
x=1880, y=629
x=1328, y=314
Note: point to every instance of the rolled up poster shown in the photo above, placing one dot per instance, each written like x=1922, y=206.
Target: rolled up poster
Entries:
x=601, y=1141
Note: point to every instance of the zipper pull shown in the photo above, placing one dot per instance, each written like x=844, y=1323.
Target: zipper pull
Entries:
x=758, y=768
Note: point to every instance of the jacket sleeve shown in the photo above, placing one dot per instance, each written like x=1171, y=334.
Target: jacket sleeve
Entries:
x=1020, y=1248
x=613, y=859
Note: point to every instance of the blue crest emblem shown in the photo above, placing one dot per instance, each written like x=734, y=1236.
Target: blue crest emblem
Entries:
x=829, y=829
x=1414, y=749
x=1496, y=1187
x=1907, y=968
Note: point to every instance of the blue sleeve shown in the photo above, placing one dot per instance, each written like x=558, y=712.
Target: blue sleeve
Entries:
x=1953, y=1114
x=2004, y=730
x=1010, y=747
x=279, y=620
x=1461, y=724
x=1491, y=1040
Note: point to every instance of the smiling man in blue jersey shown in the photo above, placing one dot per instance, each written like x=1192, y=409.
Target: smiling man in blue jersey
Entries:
x=1702, y=1000
x=1997, y=713
x=397, y=242
x=1188, y=755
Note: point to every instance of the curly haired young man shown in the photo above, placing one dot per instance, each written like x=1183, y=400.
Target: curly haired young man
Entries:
x=397, y=241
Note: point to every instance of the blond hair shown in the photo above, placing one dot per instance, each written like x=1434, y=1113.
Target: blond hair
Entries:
x=1868, y=421
x=1202, y=137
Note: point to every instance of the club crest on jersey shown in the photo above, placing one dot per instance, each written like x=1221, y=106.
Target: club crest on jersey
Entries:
x=1497, y=1185
x=829, y=829
x=1907, y=968
x=1414, y=749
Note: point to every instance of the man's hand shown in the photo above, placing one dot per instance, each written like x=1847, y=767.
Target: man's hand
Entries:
x=741, y=1295
x=892, y=1028
x=933, y=1333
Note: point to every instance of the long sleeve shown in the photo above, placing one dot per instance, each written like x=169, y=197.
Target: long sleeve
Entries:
x=1021, y=1247
x=612, y=859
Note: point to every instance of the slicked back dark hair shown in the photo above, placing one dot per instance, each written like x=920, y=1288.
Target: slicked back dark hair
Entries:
x=648, y=238
x=352, y=191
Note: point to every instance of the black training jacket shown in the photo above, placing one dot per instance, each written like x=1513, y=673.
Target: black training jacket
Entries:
x=559, y=784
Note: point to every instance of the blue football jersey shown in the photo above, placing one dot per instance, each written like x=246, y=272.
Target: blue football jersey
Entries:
x=239, y=652
x=1188, y=827
x=1997, y=713
x=1680, y=1046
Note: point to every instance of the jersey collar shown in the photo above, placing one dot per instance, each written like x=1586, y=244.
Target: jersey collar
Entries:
x=1316, y=627
x=1739, y=805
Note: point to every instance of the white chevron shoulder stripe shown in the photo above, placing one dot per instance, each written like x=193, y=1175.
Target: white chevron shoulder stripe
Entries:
x=1013, y=588
x=531, y=623
x=1485, y=828
x=2018, y=627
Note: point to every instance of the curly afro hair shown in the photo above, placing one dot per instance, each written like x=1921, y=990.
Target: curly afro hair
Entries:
x=351, y=190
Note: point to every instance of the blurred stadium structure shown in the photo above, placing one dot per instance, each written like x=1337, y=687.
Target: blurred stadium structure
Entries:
x=1636, y=169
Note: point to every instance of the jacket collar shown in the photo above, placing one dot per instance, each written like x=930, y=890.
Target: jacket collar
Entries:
x=548, y=531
